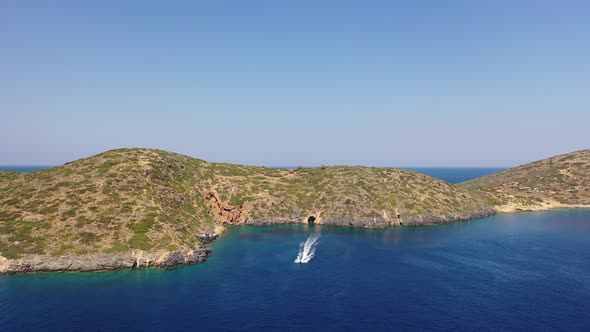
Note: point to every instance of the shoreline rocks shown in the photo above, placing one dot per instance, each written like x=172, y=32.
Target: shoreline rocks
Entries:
x=380, y=222
x=425, y=220
x=171, y=259
x=103, y=262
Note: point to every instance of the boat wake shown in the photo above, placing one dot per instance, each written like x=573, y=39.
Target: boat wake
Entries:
x=307, y=249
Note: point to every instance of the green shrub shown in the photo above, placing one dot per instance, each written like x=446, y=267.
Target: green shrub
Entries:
x=88, y=238
x=237, y=200
x=13, y=251
x=116, y=248
x=68, y=214
x=140, y=240
x=106, y=166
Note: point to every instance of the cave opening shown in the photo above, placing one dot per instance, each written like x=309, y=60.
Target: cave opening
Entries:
x=311, y=219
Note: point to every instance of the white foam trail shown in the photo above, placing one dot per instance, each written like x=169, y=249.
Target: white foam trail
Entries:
x=307, y=249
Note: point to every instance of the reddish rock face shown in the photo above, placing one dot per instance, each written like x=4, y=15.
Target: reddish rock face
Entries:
x=225, y=213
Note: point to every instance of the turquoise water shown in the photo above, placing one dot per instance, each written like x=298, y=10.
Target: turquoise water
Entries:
x=509, y=272
x=526, y=271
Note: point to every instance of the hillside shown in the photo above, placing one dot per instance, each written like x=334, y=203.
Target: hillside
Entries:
x=555, y=182
x=151, y=207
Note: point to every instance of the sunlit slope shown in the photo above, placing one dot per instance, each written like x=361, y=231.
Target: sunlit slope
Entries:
x=141, y=199
x=554, y=182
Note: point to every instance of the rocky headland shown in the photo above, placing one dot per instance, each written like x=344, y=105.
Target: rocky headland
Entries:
x=136, y=208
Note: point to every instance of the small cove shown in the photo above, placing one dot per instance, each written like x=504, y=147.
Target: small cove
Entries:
x=524, y=271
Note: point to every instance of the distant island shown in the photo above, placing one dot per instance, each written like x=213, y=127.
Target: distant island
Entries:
x=133, y=208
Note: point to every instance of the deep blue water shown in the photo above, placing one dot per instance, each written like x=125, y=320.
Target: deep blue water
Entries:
x=456, y=174
x=449, y=174
x=23, y=168
x=527, y=271
x=510, y=272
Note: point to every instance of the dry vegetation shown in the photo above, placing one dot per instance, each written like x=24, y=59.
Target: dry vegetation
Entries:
x=558, y=181
x=144, y=199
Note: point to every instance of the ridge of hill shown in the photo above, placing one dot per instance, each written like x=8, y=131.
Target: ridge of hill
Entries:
x=558, y=182
x=143, y=207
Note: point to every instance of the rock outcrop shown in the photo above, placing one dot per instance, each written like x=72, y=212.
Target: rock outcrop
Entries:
x=152, y=208
x=451, y=218
x=224, y=213
x=102, y=262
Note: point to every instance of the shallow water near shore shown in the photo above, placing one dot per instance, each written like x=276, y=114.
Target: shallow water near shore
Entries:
x=526, y=271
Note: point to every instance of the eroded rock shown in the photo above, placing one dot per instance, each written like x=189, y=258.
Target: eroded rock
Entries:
x=225, y=213
x=103, y=262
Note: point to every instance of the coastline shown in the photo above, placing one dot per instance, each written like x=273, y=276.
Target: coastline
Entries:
x=170, y=259
x=385, y=222
x=163, y=259
x=103, y=262
x=516, y=208
x=167, y=189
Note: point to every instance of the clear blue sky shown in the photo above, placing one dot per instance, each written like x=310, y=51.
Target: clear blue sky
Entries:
x=383, y=83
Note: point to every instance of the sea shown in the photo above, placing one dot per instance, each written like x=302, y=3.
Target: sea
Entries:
x=526, y=271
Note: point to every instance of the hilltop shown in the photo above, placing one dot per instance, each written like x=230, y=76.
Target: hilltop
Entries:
x=143, y=207
x=561, y=181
